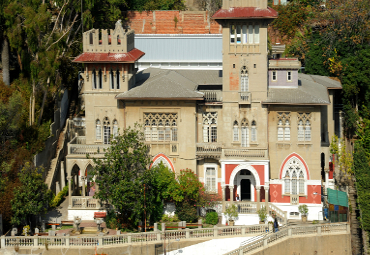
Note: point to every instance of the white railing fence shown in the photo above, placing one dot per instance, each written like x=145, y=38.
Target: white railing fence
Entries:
x=270, y=238
x=159, y=236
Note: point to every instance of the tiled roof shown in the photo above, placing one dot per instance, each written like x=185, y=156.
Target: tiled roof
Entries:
x=312, y=90
x=130, y=56
x=245, y=12
x=162, y=84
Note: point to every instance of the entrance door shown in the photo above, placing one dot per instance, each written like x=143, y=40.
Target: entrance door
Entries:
x=245, y=190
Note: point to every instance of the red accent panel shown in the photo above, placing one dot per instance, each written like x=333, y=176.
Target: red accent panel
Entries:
x=166, y=158
x=130, y=56
x=275, y=194
x=262, y=194
x=311, y=198
x=261, y=173
x=245, y=12
x=300, y=158
x=228, y=170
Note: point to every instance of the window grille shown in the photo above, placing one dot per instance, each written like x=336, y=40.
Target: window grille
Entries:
x=211, y=179
x=210, y=127
x=294, y=177
x=160, y=127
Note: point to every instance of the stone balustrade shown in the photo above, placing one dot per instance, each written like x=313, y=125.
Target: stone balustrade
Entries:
x=159, y=236
x=246, y=153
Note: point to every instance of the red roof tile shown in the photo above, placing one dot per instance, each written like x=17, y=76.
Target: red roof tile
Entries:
x=131, y=56
x=245, y=12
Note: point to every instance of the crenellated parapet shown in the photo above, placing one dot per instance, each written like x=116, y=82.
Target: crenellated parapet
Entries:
x=118, y=40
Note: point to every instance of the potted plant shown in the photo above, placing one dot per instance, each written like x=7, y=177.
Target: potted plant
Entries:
x=231, y=213
x=303, y=210
x=271, y=226
x=262, y=214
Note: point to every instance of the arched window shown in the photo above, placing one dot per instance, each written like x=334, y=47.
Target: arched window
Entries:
x=115, y=128
x=254, y=132
x=210, y=127
x=91, y=38
x=118, y=84
x=160, y=127
x=106, y=131
x=287, y=131
x=283, y=126
x=98, y=130
x=300, y=131
x=294, y=177
x=280, y=130
x=100, y=79
x=111, y=80
x=118, y=40
x=236, y=131
x=304, y=127
x=94, y=79
x=245, y=133
x=244, y=80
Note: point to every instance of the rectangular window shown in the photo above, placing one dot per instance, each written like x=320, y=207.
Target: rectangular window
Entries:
x=232, y=34
x=274, y=75
x=167, y=134
x=106, y=135
x=160, y=134
x=245, y=137
x=244, y=83
x=289, y=76
x=111, y=81
x=301, y=186
x=174, y=134
x=287, y=134
x=147, y=134
x=154, y=134
x=254, y=134
x=205, y=134
x=236, y=134
x=294, y=186
x=256, y=34
x=250, y=34
x=238, y=34
x=213, y=134
x=211, y=179
x=115, y=131
x=307, y=134
x=300, y=133
x=98, y=132
x=245, y=34
x=287, y=186
x=280, y=134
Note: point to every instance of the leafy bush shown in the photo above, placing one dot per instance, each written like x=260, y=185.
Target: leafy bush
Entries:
x=168, y=218
x=231, y=212
x=111, y=220
x=303, y=209
x=262, y=213
x=58, y=199
x=187, y=212
x=212, y=218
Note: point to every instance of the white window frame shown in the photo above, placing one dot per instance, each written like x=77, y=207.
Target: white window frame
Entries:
x=254, y=132
x=235, y=131
x=210, y=132
x=274, y=75
x=289, y=76
x=232, y=35
x=215, y=166
x=299, y=164
x=256, y=34
x=238, y=34
x=159, y=128
x=98, y=126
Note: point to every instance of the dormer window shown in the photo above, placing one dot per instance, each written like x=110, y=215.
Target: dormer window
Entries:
x=289, y=76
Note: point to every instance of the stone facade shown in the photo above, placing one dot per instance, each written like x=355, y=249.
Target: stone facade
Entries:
x=246, y=135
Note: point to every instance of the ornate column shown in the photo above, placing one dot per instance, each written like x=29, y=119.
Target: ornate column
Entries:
x=69, y=178
x=223, y=196
x=267, y=187
x=258, y=188
x=231, y=187
x=83, y=194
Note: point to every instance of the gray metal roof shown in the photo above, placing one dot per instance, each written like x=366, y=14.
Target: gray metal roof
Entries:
x=312, y=89
x=180, y=48
x=156, y=83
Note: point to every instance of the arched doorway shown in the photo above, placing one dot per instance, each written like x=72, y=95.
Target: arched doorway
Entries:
x=75, y=181
x=245, y=185
x=90, y=182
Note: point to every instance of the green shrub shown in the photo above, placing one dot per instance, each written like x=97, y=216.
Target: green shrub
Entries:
x=58, y=199
x=168, y=218
x=212, y=218
x=186, y=212
x=303, y=209
x=262, y=213
x=111, y=220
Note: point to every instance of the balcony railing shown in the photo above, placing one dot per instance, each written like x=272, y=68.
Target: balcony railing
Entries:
x=245, y=98
x=212, y=95
x=85, y=202
x=245, y=153
x=78, y=146
x=209, y=150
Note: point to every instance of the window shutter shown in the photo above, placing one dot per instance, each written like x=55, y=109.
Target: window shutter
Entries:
x=250, y=34
x=205, y=134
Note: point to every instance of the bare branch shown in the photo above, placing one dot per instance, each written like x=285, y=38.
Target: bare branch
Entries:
x=64, y=33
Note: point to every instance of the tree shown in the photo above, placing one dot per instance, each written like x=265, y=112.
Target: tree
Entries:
x=209, y=5
x=121, y=174
x=31, y=197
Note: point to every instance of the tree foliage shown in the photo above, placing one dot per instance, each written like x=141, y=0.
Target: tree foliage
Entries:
x=31, y=197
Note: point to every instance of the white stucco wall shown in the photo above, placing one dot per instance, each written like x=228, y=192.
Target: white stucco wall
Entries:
x=84, y=214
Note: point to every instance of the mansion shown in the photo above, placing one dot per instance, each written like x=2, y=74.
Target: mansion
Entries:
x=257, y=127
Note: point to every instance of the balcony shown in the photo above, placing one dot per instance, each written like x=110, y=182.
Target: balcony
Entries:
x=211, y=96
x=209, y=150
x=245, y=98
x=78, y=146
x=250, y=153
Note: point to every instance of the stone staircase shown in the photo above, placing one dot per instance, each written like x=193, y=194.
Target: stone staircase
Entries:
x=356, y=231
